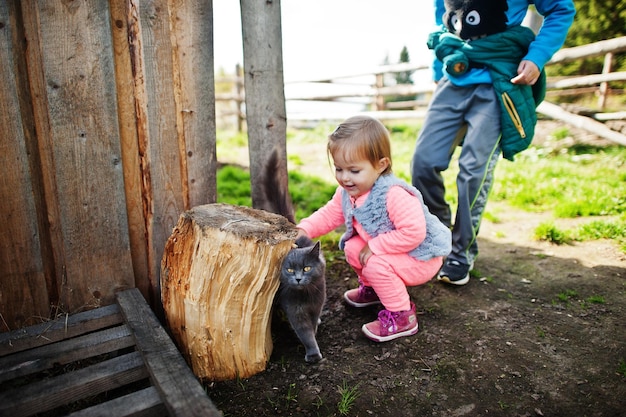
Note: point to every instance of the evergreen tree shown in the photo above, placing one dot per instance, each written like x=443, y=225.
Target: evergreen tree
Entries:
x=404, y=77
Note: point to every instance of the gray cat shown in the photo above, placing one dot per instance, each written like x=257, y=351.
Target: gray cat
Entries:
x=302, y=293
x=302, y=290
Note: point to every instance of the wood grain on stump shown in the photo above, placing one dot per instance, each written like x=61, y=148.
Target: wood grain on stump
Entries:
x=219, y=274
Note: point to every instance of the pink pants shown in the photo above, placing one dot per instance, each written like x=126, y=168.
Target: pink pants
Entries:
x=390, y=274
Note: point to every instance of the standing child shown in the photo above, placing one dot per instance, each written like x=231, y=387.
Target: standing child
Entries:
x=465, y=108
x=391, y=240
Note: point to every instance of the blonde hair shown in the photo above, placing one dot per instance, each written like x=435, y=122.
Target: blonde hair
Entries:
x=361, y=137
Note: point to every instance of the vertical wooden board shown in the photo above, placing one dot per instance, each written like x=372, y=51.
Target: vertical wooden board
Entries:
x=266, y=114
x=192, y=27
x=162, y=156
x=23, y=293
x=85, y=144
x=130, y=147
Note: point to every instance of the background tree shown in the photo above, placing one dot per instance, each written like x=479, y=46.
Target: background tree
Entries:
x=595, y=20
x=403, y=77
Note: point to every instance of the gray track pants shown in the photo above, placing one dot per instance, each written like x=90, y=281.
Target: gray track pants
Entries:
x=452, y=110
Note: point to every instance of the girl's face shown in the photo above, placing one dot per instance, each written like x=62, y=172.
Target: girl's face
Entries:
x=357, y=177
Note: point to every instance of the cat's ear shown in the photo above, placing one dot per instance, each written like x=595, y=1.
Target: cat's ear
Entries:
x=315, y=250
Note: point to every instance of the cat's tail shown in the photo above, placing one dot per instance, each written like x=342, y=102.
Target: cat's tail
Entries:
x=275, y=188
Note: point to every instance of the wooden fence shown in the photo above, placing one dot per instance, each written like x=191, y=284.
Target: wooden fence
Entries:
x=375, y=89
x=107, y=134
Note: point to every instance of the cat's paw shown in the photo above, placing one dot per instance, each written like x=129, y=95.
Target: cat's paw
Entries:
x=315, y=358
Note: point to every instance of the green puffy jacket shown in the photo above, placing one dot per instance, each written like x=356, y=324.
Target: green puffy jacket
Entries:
x=501, y=54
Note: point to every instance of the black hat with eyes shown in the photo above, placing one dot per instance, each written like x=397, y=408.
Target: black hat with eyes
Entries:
x=472, y=19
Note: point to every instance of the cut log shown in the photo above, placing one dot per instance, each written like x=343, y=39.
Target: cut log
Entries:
x=219, y=275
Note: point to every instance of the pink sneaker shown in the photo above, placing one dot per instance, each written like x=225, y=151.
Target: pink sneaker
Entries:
x=361, y=297
x=392, y=325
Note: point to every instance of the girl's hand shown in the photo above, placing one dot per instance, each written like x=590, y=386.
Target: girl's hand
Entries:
x=301, y=233
x=365, y=254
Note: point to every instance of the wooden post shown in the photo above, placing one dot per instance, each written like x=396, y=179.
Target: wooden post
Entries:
x=604, y=86
x=266, y=115
x=219, y=275
x=379, y=100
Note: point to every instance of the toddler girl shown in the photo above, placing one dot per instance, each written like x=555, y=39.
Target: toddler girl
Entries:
x=391, y=239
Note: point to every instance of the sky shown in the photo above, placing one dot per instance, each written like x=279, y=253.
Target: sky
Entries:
x=330, y=37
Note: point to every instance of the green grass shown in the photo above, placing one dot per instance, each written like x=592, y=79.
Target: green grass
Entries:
x=578, y=181
x=621, y=368
x=348, y=397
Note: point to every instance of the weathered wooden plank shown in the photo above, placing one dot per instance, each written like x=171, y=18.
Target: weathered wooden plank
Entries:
x=143, y=403
x=266, y=115
x=194, y=86
x=178, y=387
x=160, y=154
x=130, y=150
x=64, y=389
x=78, y=348
x=76, y=58
x=22, y=278
x=62, y=328
x=590, y=50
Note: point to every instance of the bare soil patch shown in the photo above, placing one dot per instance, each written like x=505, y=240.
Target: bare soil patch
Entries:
x=539, y=331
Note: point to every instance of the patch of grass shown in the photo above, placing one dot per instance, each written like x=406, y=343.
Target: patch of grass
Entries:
x=566, y=295
x=550, y=233
x=614, y=229
x=308, y=193
x=584, y=181
x=348, y=397
x=233, y=186
x=292, y=394
x=621, y=368
x=595, y=299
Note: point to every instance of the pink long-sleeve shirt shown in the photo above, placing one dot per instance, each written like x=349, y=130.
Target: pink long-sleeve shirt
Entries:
x=405, y=211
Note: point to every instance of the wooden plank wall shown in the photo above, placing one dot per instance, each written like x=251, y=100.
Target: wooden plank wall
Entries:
x=107, y=135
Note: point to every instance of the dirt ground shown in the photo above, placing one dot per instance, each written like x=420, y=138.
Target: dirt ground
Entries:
x=539, y=331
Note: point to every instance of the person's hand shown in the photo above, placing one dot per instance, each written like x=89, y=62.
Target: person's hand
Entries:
x=365, y=254
x=527, y=73
x=301, y=233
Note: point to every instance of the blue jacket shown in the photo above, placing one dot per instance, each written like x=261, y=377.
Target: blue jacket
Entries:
x=373, y=216
x=558, y=17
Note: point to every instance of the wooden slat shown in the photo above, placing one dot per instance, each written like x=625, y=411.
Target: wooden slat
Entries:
x=62, y=328
x=69, y=387
x=79, y=348
x=194, y=86
x=143, y=403
x=130, y=151
x=22, y=280
x=151, y=55
x=179, y=389
x=84, y=141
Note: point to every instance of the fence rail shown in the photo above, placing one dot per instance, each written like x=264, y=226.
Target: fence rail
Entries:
x=373, y=89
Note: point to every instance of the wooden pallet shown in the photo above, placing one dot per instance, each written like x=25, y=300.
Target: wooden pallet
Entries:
x=112, y=361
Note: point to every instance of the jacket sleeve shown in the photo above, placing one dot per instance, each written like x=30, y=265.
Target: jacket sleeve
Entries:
x=437, y=66
x=326, y=219
x=558, y=17
x=407, y=216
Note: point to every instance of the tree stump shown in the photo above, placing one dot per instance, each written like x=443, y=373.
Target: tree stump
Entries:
x=219, y=275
